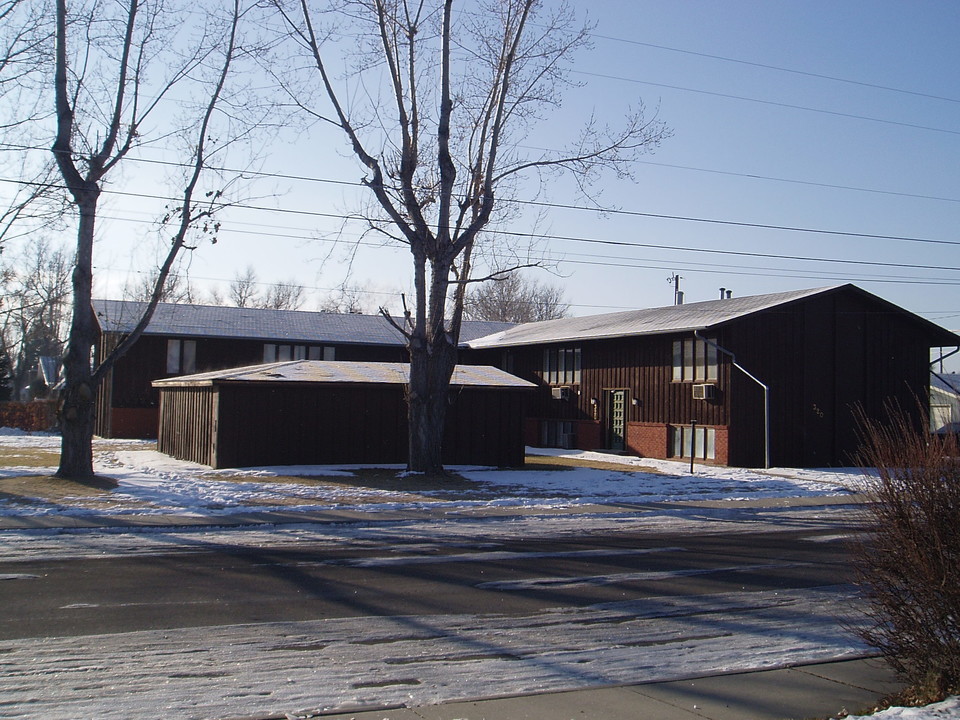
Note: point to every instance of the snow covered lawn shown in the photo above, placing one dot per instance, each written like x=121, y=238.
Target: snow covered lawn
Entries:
x=148, y=482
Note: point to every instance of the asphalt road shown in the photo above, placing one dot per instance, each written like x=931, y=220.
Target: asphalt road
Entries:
x=230, y=586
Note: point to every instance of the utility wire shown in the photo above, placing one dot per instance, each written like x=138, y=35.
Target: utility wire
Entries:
x=777, y=68
x=629, y=213
x=773, y=103
x=599, y=241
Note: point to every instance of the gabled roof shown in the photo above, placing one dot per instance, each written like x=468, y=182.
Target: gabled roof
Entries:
x=176, y=320
x=676, y=318
x=947, y=382
x=338, y=372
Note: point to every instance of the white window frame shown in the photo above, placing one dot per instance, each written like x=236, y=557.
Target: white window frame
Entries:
x=702, y=440
x=561, y=365
x=181, y=356
x=695, y=360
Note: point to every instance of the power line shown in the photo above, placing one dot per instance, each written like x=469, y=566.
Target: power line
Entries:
x=711, y=268
x=536, y=203
x=774, y=103
x=691, y=168
x=778, y=68
x=625, y=244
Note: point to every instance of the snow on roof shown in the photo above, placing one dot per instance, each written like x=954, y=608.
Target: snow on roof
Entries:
x=948, y=382
x=692, y=316
x=181, y=320
x=673, y=318
x=324, y=371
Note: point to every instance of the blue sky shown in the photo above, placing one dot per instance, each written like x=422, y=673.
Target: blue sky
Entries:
x=834, y=116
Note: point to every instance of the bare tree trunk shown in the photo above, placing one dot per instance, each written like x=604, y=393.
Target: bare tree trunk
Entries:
x=427, y=409
x=79, y=394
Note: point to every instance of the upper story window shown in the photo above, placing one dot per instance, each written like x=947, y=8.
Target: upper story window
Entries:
x=181, y=357
x=561, y=366
x=272, y=352
x=694, y=361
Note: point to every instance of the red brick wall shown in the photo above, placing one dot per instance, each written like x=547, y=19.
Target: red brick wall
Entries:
x=647, y=439
x=722, y=447
x=652, y=440
x=589, y=435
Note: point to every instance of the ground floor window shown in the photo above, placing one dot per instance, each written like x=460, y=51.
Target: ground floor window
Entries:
x=558, y=434
x=273, y=352
x=695, y=442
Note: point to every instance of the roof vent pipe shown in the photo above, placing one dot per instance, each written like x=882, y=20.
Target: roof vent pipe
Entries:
x=679, y=297
x=723, y=293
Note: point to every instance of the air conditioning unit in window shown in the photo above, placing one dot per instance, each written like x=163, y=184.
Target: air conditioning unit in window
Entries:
x=704, y=391
x=560, y=393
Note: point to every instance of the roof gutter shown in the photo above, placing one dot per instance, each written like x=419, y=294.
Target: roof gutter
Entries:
x=766, y=394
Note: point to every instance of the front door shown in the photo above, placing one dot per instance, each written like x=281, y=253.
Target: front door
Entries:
x=616, y=419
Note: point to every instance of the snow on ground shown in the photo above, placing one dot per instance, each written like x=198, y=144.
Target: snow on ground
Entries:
x=949, y=709
x=416, y=660
x=434, y=658
x=503, y=504
x=152, y=483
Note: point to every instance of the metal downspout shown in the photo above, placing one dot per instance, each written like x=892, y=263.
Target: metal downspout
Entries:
x=766, y=394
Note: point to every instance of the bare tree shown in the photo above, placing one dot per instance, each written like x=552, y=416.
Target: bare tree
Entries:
x=434, y=107
x=34, y=309
x=177, y=289
x=283, y=296
x=6, y=379
x=114, y=64
x=25, y=56
x=515, y=298
x=215, y=297
x=244, y=289
x=346, y=299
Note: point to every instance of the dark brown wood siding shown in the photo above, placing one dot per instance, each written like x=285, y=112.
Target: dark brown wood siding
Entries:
x=640, y=365
x=128, y=385
x=244, y=424
x=822, y=358
x=188, y=424
x=484, y=427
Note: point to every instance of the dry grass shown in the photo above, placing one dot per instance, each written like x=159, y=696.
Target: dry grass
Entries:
x=53, y=489
x=546, y=462
x=28, y=457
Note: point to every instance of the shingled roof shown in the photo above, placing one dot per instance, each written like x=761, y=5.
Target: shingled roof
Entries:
x=338, y=372
x=677, y=318
x=178, y=320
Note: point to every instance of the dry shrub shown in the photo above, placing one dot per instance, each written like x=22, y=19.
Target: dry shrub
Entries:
x=908, y=559
x=37, y=415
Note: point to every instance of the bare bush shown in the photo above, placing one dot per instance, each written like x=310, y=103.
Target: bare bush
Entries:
x=908, y=559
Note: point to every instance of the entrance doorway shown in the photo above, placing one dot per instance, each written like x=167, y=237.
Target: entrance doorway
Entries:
x=616, y=420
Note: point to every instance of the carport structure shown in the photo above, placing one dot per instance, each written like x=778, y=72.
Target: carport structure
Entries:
x=307, y=412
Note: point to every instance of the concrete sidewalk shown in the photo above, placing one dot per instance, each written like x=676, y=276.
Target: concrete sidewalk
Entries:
x=826, y=690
